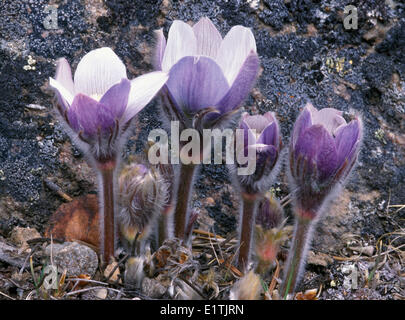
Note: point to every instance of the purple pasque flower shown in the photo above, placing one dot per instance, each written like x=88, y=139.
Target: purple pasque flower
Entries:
x=261, y=133
x=209, y=76
x=323, y=150
x=99, y=103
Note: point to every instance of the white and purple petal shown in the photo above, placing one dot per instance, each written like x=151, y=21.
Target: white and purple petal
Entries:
x=181, y=42
x=270, y=135
x=347, y=138
x=242, y=85
x=303, y=122
x=235, y=48
x=64, y=75
x=159, y=49
x=97, y=72
x=257, y=122
x=316, y=145
x=143, y=89
x=208, y=38
x=63, y=83
x=116, y=98
x=83, y=115
x=330, y=118
x=196, y=83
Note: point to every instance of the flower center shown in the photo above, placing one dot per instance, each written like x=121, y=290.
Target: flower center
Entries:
x=96, y=96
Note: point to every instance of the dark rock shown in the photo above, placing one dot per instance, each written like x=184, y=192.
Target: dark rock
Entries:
x=76, y=258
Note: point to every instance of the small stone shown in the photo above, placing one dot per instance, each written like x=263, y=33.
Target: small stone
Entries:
x=77, y=259
x=153, y=288
x=101, y=293
x=368, y=250
x=209, y=201
x=19, y=236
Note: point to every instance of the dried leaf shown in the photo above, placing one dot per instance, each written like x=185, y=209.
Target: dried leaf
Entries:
x=307, y=295
x=161, y=257
x=76, y=220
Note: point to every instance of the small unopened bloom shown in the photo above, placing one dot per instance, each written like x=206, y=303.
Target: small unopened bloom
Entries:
x=261, y=133
x=323, y=150
x=249, y=287
x=100, y=101
x=207, y=73
x=270, y=213
x=143, y=195
x=269, y=232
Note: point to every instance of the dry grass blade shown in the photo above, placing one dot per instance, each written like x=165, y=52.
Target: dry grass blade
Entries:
x=399, y=206
x=92, y=288
x=87, y=280
x=232, y=268
x=7, y=296
x=273, y=282
x=213, y=250
x=208, y=234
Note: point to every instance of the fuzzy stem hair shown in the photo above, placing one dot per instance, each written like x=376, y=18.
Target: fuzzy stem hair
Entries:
x=165, y=224
x=297, y=257
x=107, y=200
x=247, y=222
x=184, y=192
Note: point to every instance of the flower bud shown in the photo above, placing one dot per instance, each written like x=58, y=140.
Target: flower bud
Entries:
x=261, y=133
x=270, y=214
x=143, y=194
x=269, y=233
x=247, y=288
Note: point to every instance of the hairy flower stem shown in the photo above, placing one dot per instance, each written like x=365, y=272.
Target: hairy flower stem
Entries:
x=184, y=192
x=297, y=256
x=249, y=208
x=262, y=267
x=164, y=225
x=107, y=205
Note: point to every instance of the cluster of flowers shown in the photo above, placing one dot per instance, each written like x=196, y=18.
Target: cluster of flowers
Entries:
x=202, y=80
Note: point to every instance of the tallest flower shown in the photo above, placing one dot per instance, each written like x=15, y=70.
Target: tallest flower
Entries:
x=97, y=107
x=207, y=73
x=209, y=77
